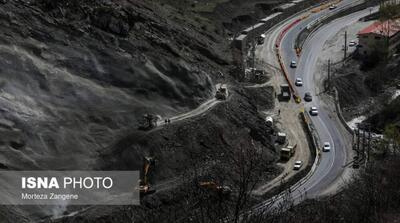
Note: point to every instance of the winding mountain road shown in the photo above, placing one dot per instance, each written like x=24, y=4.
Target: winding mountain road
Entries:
x=328, y=174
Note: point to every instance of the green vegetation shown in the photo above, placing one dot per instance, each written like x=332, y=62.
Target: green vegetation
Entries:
x=389, y=10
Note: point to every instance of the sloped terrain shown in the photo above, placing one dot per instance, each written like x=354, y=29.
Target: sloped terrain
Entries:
x=228, y=16
x=366, y=90
x=76, y=77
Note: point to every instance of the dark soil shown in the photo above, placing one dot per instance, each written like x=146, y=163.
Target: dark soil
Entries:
x=77, y=76
x=366, y=89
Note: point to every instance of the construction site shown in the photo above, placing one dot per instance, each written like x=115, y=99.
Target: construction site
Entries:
x=229, y=110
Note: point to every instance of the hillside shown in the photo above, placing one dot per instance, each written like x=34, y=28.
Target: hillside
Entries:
x=76, y=78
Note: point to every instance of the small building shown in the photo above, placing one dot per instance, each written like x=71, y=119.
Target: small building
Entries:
x=380, y=37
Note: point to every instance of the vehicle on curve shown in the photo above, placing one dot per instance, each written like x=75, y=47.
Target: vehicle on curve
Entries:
x=281, y=138
x=332, y=7
x=307, y=97
x=327, y=147
x=298, y=82
x=352, y=43
x=293, y=64
x=314, y=111
x=288, y=152
x=297, y=165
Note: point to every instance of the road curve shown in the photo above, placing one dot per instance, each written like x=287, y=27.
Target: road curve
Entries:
x=331, y=164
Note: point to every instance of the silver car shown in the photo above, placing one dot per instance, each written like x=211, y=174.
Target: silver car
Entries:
x=314, y=111
x=298, y=82
x=327, y=147
x=293, y=64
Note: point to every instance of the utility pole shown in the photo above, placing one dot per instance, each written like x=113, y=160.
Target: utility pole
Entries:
x=345, y=46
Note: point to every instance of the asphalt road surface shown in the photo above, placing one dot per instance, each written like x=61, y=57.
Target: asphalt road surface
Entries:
x=331, y=166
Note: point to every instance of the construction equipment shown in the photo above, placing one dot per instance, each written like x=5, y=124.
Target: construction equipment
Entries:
x=269, y=121
x=144, y=186
x=285, y=92
x=148, y=122
x=211, y=185
x=221, y=93
x=288, y=152
x=281, y=138
x=260, y=39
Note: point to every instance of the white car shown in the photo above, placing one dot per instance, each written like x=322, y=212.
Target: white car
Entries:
x=327, y=147
x=314, y=111
x=352, y=43
x=293, y=64
x=299, y=82
x=332, y=7
x=297, y=165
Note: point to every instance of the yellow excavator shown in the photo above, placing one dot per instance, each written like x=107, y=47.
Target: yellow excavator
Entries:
x=144, y=186
x=212, y=186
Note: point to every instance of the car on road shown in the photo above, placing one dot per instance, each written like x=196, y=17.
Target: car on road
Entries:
x=352, y=43
x=307, y=97
x=298, y=82
x=314, y=111
x=297, y=165
x=327, y=147
x=293, y=64
x=332, y=7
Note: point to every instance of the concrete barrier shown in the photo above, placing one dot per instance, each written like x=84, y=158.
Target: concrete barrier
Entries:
x=247, y=36
x=357, y=6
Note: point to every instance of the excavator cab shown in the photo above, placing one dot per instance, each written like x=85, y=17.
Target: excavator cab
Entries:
x=221, y=93
x=148, y=122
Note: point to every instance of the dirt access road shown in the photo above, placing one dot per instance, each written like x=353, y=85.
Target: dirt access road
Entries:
x=203, y=108
x=285, y=114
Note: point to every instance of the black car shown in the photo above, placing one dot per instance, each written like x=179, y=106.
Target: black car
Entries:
x=307, y=97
